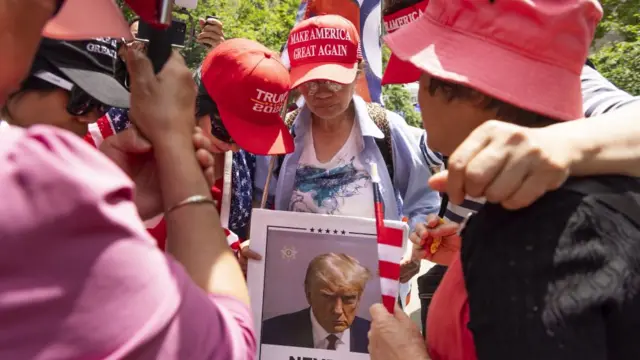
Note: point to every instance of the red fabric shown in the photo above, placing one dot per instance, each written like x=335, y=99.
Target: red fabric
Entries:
x=146, y=9
x=250, y=113
x=398, y=71
x=448, y=337
x=325, y=47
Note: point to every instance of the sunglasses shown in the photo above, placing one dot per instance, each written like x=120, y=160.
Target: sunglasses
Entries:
x=312, y=87
x=206, y=106
x=80, y=102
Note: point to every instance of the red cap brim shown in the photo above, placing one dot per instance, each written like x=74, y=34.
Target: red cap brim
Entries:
x=74, y=21
x=268, y=138
x=400, y=72
x=342, y=74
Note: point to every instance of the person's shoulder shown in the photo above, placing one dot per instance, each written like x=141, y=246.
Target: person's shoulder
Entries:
x=361, y=323
x=287, y=318
x=585, y=201
x=51, y=173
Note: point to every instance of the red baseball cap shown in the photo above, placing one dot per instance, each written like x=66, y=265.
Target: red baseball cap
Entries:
x=527, y=53
x=399, y=71
x=87, y=19
x=324, y=47
x=250, y=86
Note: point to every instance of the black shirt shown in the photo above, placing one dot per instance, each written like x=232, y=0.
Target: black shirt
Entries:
x=557, y=280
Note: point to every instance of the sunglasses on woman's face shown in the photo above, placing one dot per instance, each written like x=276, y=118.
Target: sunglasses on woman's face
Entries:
x=206, y=106
x=80, y=103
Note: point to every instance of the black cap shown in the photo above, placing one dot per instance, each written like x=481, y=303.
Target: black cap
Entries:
x=89, y=64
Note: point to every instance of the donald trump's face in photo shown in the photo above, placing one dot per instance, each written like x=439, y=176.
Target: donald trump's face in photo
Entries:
x=334, y=285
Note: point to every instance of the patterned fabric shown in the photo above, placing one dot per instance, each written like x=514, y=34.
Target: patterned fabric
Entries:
x=244, y=165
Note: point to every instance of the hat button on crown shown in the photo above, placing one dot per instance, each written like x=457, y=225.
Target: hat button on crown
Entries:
x=267, y=55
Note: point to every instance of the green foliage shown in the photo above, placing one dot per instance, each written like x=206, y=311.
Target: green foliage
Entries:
x=620, y=61
x=397, y=98
x=266, y=21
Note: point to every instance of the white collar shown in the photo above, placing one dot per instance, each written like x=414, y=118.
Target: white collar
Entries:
x=320, y=334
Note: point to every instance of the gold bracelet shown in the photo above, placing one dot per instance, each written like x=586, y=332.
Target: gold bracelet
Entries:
x=195, y=199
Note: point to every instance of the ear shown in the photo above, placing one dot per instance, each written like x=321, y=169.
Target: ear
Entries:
x=307, y=294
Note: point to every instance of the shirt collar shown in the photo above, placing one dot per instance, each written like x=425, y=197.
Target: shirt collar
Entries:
x=320, y=334
x=367, y=126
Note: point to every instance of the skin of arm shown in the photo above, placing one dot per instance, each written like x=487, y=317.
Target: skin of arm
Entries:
x=608, y=143
x=195, y=235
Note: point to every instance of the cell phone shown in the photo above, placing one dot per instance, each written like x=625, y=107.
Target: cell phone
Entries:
x=177, y=33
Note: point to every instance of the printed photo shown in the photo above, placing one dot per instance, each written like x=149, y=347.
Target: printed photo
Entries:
x=312, y=291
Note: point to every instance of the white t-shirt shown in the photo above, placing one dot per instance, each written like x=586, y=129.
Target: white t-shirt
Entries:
x=341, y=186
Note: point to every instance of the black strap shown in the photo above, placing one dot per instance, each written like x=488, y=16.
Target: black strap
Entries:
x=377, y=114
x=619, y=193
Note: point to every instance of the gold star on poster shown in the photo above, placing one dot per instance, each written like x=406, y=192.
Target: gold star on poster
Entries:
x=288, y=253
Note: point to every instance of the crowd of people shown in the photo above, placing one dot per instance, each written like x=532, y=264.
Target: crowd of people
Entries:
x=127, y=194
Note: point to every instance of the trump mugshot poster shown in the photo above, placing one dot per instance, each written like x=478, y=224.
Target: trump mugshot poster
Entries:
x=311, y=292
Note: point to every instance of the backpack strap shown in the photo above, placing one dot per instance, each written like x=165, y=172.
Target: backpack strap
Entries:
x=379, y=116
x=623, y=199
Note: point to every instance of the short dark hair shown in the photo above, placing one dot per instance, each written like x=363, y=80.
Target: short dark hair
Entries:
x=392, y=6
x=505, y=111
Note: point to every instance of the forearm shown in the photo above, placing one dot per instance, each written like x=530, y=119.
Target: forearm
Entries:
x=607, y=144
x=195, y=236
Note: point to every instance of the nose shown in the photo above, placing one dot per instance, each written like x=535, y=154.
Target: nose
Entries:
x=337, y=306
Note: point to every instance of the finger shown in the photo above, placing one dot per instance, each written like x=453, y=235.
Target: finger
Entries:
x=209, y=174
x=205, y=159
x=131, y=141
x=415, y=239
x=140, y=69
x=446, y=229
x=505, y=183
x=484, y=167
x=438, y=182
x=433, y=220
x=458, y=161
x=214, y=22
x=202, y=22
x=401, y=316
x=211, y=31
x=531, y=189
x=379, y=313
x=197, y=130
x=250, y=254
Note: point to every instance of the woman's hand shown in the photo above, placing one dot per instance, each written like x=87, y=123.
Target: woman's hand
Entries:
x=426, y=233
x=245, y=254
x=133, y=154
x=211, y=34
x=507, y=164
x=161, y=105
x=394, y=336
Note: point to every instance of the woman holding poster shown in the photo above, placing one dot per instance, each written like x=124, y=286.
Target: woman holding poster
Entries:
x=337, y=136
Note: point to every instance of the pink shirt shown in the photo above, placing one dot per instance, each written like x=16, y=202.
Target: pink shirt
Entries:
x=80, y=277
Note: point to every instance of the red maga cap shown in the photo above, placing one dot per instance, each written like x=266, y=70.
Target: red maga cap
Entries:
x=250, y=86
x=324, y=47
x=398, y=71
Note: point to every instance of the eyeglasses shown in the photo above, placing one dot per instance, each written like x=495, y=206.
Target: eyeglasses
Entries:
x=80, y=102
x=206, y=106
x=312, y=87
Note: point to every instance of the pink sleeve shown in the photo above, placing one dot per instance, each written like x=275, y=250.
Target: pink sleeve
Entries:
x=81, y=278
